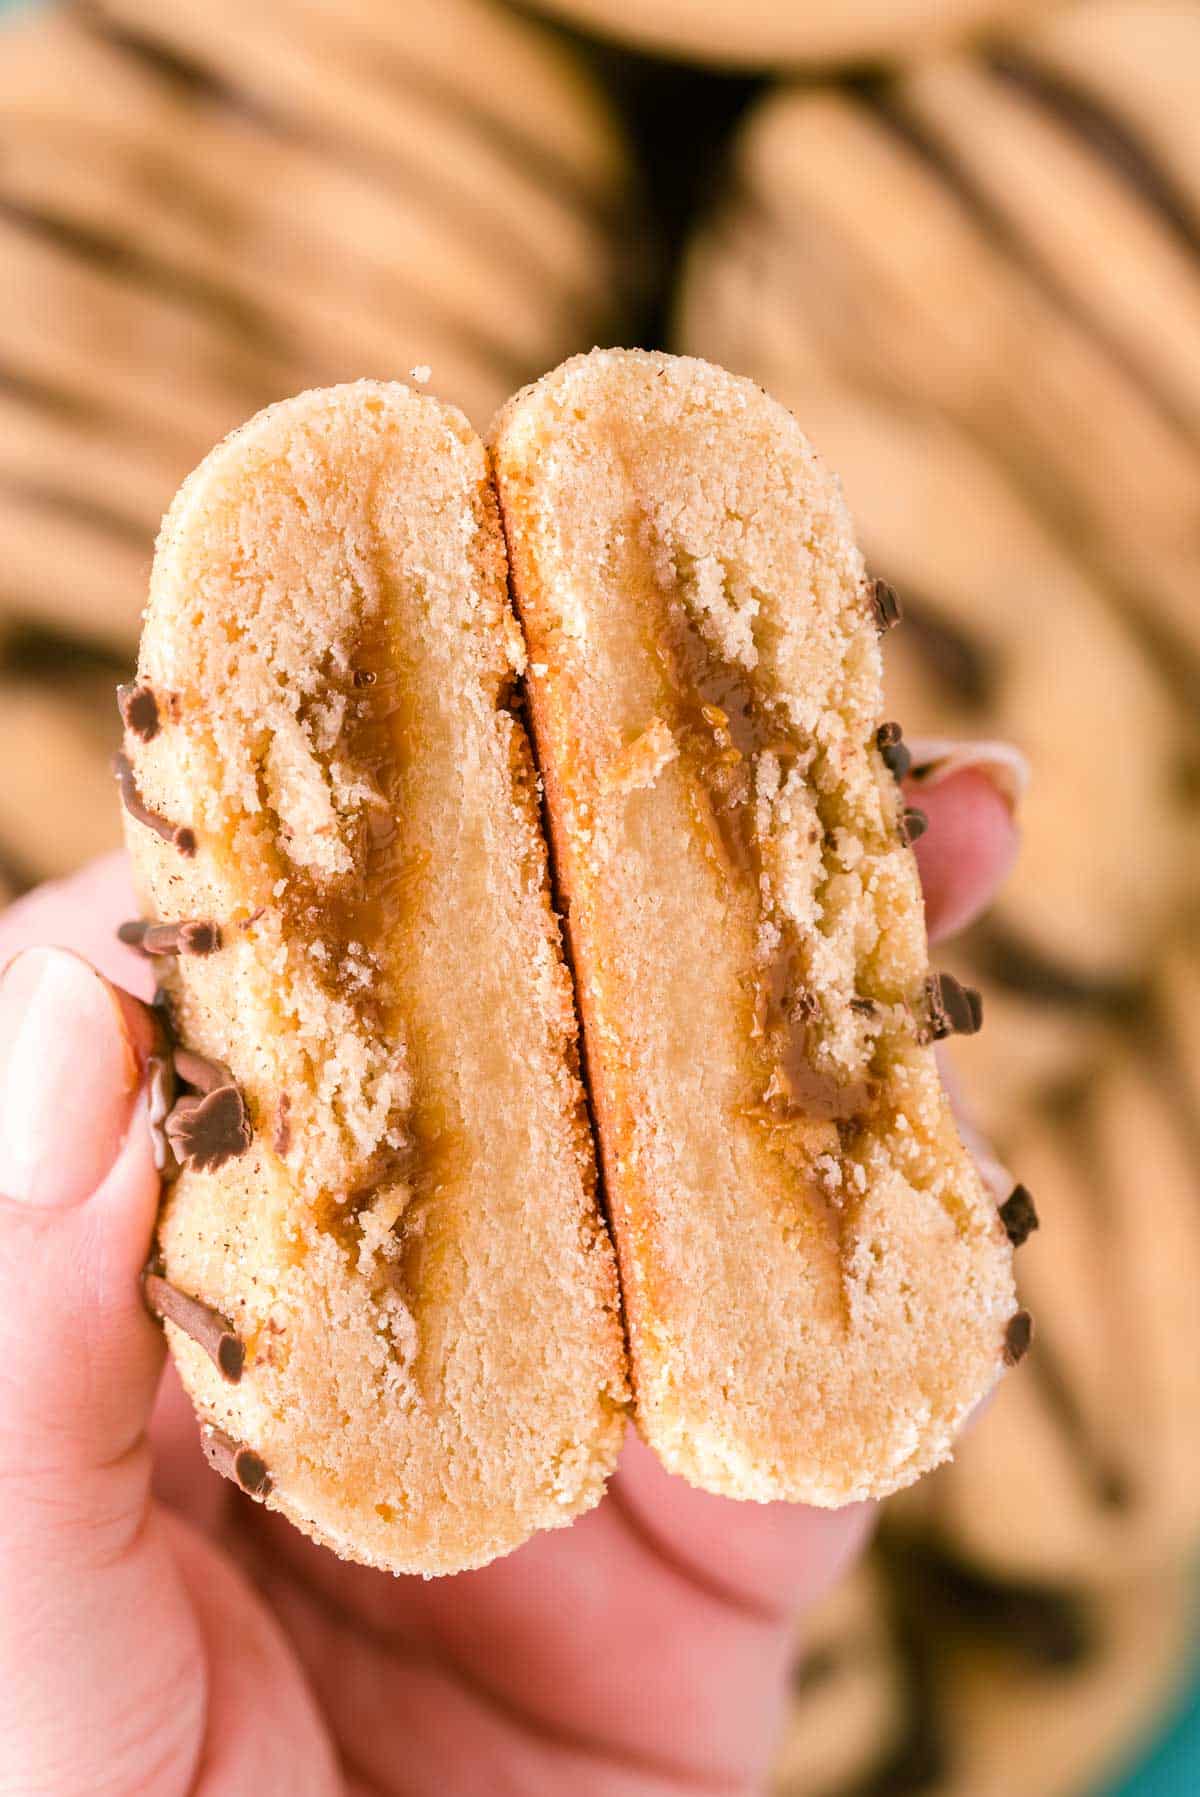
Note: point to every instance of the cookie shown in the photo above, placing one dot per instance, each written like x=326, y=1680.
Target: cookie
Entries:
x=219, y=206
x=850, y=1705
x=387, y=1287
x=54, y=735
x=1055, y=186
x=922, y=1678
x=763, y=33
x=1008, y=633
x=1095, y=1449
x=816, y=1285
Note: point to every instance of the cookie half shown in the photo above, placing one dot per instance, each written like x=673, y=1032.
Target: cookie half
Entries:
x=387, y=1286
x=816, y=1285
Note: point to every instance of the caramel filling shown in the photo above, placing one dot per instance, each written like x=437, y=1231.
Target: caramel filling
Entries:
x=722, y=725
x=359, y=921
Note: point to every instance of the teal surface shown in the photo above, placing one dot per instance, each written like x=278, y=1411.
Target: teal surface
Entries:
x=1173, y=1768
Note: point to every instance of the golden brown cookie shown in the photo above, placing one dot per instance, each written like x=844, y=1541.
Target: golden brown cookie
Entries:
x=1089, y=1466
x=1054, y=185
x=760, y=33
x=56, y=738
x=388, y=1290
x=816, y=1285
x=204, y=208
x=1008, y=633
x=918, y=1678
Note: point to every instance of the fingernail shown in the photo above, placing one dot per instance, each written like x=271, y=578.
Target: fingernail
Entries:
x=68, y=1073
x=935, y=759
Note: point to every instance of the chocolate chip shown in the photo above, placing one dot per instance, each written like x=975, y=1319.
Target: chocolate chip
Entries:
x=206, y=1326
x=364, y=678
x=886, y=602
x=954, y=1009
x=866, y=1007
x=194, y=938
x=183, y=838
x=1018, y=1335
x=896, y=756
x=206, y=1132
x=282, y=1139
x=913, y=823
x=1019, y=1215
x=235, y=1461
x=139, y=711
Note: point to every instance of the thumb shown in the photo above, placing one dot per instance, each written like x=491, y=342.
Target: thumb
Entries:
x=94, y=1620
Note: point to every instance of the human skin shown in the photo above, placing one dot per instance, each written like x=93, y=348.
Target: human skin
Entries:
x=161, y=1635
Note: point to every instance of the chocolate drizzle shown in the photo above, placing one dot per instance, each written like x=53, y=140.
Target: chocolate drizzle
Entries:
x=206, y=1326
x=1091, y=119
x=180, y=835
x=197, y=937
x=1019, y=1215
x=139, y=711
x=233, y=1460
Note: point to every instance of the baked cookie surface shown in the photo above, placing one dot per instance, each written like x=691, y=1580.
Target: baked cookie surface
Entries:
x=762, y=33
x=816, y=1284
x=386, y=1196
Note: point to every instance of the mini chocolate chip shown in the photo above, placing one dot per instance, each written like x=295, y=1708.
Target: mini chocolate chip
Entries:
x=1018, y=1335
x=954, y=1009
x=888, y=735
x=183, y=838
x=206, y=1132
x=897, y=758
x=1019, y=1215
x=206, y=1326
x=197, y=937
x=913, y=824
x=139, y=711
x=233, y=1460
x=886, y=602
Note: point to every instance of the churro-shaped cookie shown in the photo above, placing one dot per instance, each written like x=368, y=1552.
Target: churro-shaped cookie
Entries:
x=384, y=1278
x=817, y=1287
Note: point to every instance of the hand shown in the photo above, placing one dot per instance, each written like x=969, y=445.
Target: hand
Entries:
x=161, y=1635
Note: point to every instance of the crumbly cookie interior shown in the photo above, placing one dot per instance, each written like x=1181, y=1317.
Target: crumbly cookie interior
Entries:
x=410, y=1250
x=815, y=1282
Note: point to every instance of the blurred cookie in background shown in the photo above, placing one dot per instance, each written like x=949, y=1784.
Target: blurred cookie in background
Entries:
x=918, y=1678
x=977, y=288
x=1089, y=1467
x=56, y=744
x=205, y=209
x=781, y=33
x=1010, y=240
